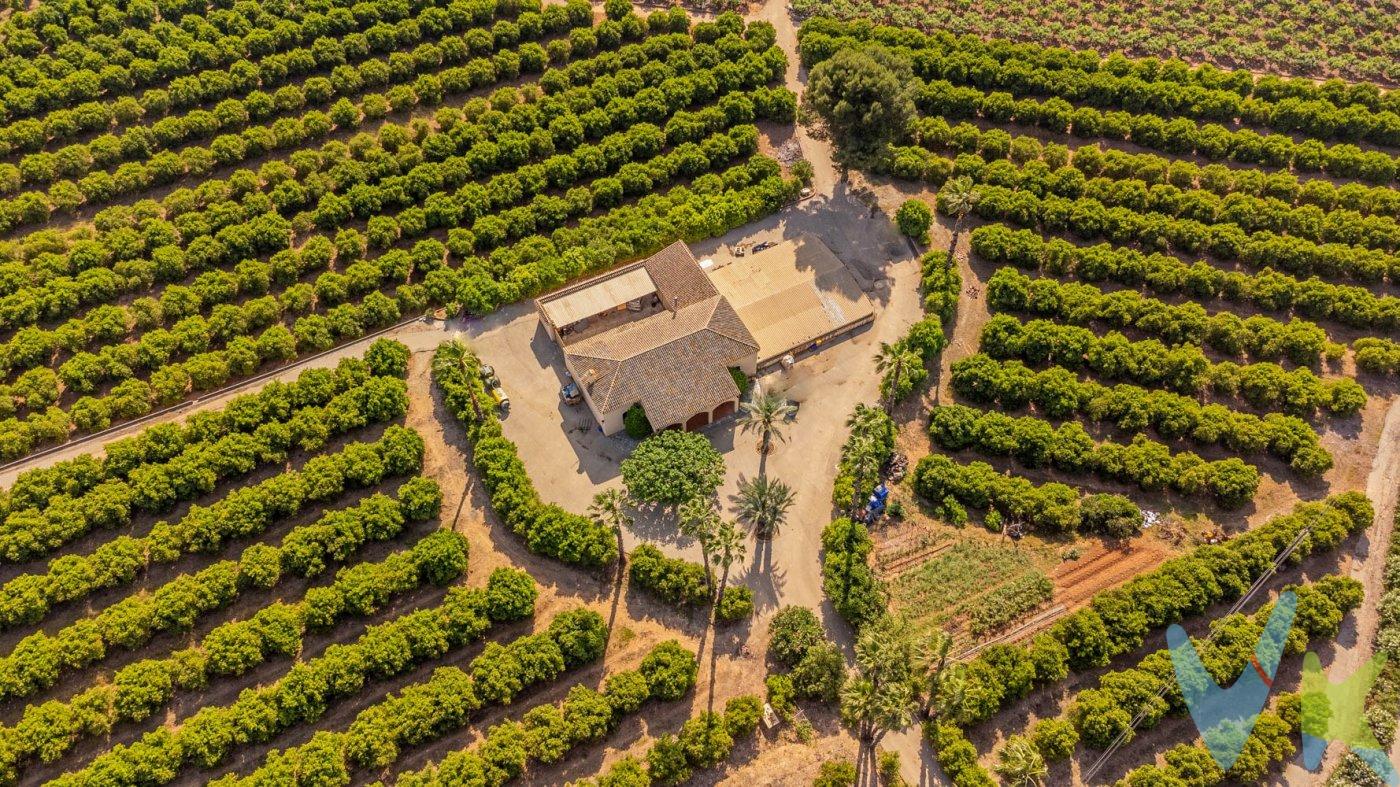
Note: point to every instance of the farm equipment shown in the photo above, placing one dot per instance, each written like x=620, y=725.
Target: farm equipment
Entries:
x=876, y=505
x=494, y=389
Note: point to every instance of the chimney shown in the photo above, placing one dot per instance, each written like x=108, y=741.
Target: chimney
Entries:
x=675, y=305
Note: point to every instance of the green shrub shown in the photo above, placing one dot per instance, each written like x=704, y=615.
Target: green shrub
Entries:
x=818, y=676
x=669, y=670
x=635, y=423
x=735, y=603
x=835, y=773
x=1055, y=739
x=742, y=714
x=792, y=632
x=741, y=380
x=914, y=218
x=781, y=693
x=670, y=579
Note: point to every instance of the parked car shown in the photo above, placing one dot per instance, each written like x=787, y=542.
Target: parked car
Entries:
x=570, y=393
x=768, y=244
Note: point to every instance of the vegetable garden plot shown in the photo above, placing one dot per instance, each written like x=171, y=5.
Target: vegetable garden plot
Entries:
x=558, y=147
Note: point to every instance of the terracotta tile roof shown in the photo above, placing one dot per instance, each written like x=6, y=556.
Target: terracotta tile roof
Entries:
x=678, y=276
x=675, y=363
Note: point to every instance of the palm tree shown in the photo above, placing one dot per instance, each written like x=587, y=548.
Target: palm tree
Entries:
x=1020, y=764
x=959, y=196
x=609, y=509
x=881, y=694
x=699, y=519
x=892, y=361
x=868, y=421
x=874, y=707
x=863, y=459
x=765, y=503
x=765, y=414
x=932, y=657
x=729, y=547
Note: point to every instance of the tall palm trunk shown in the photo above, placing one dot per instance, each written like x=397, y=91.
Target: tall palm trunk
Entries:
x=953, y=246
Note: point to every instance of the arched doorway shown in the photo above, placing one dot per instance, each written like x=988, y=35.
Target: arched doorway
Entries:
x=725, y=409
x=696, y=421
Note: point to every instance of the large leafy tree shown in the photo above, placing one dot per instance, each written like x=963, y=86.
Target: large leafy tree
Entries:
x=672, y=467
x=864, y=95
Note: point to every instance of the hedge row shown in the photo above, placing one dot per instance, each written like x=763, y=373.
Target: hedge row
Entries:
x=90, y=184
x=467, y=44
x=1180, y=368
x=236, y=325
x=1269, y=743
x=1051, y=507
x=70, y=479
x=869, y=426
x=1118, y=620
x=1058, y=393
x=255, y=90
x=288, y=133
x=198, y=469
x=847, y=579
x=1069, y=449
x=231, y=211
x=1176, y=135
x=1100, y=714
x=40, y=659
x=245, y=512
x=673, y=580
x=1088, y=178
x=312, y=332
x=1258, y=337
x=139, y=50
x=546, y=528
x=306, y=691
x=442, y=704
x=141, y=689
x=703, y=742
x=1164, y=274
x=416, y=155
x=1058, y=201
x=826, y=33
x=704, y=210
x=941, y=286
x=1082, y=78
x=547, y=733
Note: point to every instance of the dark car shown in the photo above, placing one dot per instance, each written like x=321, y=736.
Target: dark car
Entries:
x=768, y=244
x=570, y=393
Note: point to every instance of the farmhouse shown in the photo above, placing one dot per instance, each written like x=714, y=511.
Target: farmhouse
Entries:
x=665, y=332
x=655, y=333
